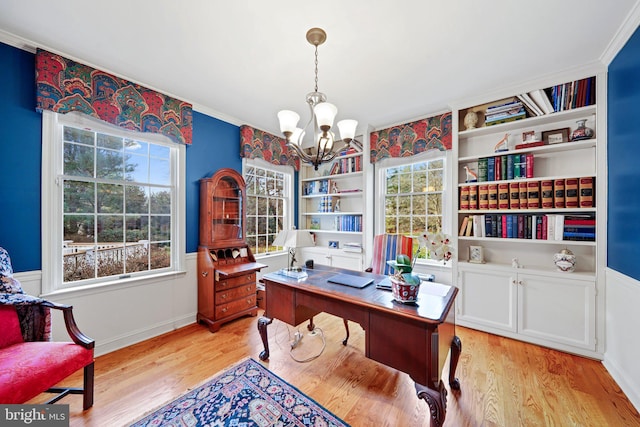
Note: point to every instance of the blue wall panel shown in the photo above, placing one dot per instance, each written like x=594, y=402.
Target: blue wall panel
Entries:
x=20, y=157
x=216, y=144
x=623, y=152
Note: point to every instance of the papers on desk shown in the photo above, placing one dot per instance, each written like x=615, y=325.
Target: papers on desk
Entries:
x=431, y=288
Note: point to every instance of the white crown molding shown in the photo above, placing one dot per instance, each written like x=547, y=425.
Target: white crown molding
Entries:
x=218, y=115
x=415, y=119
x=19, y=42
x=626, y=30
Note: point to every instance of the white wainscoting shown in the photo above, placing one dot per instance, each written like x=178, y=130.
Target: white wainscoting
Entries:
x=622, y=347
x=122, y=315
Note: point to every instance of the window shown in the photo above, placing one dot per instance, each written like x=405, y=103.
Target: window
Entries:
x=268, y=208
x=413, y=194
x=109, y=201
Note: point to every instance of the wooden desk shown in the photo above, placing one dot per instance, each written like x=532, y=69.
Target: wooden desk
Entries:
x=412, y=338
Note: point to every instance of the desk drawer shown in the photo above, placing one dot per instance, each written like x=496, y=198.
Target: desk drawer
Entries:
x=233, y=307
x=233, y=282
x=229, y=295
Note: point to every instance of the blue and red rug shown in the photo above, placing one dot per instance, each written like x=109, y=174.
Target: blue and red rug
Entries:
x=244, y=395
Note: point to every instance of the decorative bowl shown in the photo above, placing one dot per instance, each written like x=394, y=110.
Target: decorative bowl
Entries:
x=404, y=292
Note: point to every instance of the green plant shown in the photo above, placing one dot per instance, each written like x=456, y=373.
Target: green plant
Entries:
x=403, y=268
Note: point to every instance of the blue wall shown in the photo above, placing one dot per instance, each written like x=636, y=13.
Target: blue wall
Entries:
x=20, y=156
x=623, y=152
x=216, y=144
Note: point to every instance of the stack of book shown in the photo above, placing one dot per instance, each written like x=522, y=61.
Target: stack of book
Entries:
x=502, y=113
x=579, y=227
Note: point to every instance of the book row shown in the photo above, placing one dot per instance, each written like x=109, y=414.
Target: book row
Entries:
x=542, y=194
x=506, y=167
x=348, y=223
x=532, y=227
x=576, y=94
x=346, y=165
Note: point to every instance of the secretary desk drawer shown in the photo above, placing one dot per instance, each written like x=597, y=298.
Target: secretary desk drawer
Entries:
x=236, y=306
x=232, y=282
x=229, y=295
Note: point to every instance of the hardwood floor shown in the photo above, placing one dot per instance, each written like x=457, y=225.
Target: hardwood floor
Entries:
x=504, y=382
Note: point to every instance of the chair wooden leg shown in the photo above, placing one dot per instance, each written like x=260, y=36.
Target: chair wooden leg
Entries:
x=87, y=399
x=346, y=327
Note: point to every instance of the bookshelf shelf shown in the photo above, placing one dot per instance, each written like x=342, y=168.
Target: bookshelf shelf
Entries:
x=335, y=176
x=332, y=213
x=497, y=296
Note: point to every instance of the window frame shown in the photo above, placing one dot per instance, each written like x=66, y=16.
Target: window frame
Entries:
x=288, y=196
x=52, y=202
x=380, y=185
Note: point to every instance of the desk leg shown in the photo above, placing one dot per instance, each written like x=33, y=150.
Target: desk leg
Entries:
x=263, y=322
x=456, y=349
x=437, y=401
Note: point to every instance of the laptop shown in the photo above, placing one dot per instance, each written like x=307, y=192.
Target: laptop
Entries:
x=350, y=280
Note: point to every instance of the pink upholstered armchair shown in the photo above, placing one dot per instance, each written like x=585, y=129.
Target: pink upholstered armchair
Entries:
x=30, y=363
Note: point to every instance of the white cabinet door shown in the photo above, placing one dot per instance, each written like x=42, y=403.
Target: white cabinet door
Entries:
x=557, y=309
x=347, y=260
x=487, y=298
x=332, y=258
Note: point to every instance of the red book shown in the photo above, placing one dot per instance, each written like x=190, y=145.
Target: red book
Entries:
x=569, y=221
x=544, y=227
x=529, y=144
x=497, y=169
x=529, y=165
x=504, y=226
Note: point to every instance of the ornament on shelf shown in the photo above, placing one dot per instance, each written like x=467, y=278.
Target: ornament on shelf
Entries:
x=471, y=175
x=470, y=120
x=565, y=261
x=582, y=132
x=503, y=144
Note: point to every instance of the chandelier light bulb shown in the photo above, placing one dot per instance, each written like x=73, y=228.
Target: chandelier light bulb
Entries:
x=347, y=129
x=288, y=121
x=325, y=114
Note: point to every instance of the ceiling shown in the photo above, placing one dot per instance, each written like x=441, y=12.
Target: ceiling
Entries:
x=384, y=62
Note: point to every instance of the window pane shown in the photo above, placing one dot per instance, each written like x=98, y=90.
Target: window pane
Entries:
x=392, y=182
x=419, y=205
x=78, y=228
x=78, y=160
x=391, y=225
x=78, y=265
x=391, y=206
x=79, y=197
x=79, y=135
x=160, y=201
x=160, y=171
x=110, y=198
x=420, y=181
x=137, y=199
x=262, y=225
x=137, y=168
x=435, y=204
x=436, y=180
x=404, y=225
x=110, y=261
x=137, y=257
x=159, y=151
x=160, y=255
x=138, y=147
x=404, y=205
x=137, y=227
x=109, y=141
x=110, y=229
x=160, y=227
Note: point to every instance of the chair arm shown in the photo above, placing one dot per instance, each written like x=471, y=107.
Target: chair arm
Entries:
x=73, y=330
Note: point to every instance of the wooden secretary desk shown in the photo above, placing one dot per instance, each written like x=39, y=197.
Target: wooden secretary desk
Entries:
x=226, y=267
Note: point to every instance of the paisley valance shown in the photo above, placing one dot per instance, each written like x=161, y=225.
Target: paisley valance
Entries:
x=63, y=85
x=258, y=144
x=412, y=138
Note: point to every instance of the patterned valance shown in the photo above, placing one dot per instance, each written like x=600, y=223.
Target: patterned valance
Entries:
x=412, y=138
x=258, y=144
x=64, y=85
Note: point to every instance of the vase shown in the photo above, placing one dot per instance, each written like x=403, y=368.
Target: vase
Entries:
x=565, y=261
x=581, y=132
x=404, y=292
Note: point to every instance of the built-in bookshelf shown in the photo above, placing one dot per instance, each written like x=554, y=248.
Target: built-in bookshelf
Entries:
x=332, y=209
x=528, y=188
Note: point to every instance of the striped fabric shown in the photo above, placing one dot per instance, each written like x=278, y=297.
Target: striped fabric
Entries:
x=387, y=247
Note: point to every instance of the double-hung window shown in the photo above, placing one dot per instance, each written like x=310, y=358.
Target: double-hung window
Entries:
x=413, y=192
x=269, y=207
x=110, y=203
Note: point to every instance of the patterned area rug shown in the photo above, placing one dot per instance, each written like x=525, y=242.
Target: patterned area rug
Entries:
x=244, y=395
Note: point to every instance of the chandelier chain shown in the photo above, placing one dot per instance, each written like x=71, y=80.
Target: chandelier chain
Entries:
x=316, y=89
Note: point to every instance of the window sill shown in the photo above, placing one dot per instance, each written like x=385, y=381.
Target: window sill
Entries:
x=114, y=285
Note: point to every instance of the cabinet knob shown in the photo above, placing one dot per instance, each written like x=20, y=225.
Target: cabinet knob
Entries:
x=520, y=283
x=248, y=288
x=224, y=310
x=224, y=296
x=205, y=273
x=248, y=302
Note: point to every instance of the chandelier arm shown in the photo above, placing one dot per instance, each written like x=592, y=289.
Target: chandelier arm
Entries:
x=299, y=152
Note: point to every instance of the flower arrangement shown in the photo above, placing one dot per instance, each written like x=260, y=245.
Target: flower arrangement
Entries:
x=438, y=245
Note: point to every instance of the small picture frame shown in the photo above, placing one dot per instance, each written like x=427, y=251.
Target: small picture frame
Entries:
x=556, y=136
x=529, y=136
x=334, y=244
x=476, y=254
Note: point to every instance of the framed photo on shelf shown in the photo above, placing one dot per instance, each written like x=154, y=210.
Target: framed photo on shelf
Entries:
x=334, y=244
x=556, y=136
x=476, y=254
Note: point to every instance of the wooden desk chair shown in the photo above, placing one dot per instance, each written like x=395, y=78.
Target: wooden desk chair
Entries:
x=387, y=247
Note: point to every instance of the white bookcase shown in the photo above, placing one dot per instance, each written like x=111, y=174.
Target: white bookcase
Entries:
x=332, y=206
x=534, y=302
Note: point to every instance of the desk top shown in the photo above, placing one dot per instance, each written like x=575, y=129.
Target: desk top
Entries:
x=434, y=299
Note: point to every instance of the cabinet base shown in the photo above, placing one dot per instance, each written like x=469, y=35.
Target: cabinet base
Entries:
x=214, y=325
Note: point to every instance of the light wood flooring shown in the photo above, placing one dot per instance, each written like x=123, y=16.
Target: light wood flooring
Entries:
x=503, y=382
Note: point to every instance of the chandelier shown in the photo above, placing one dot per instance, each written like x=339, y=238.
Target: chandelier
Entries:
x=322, y=116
